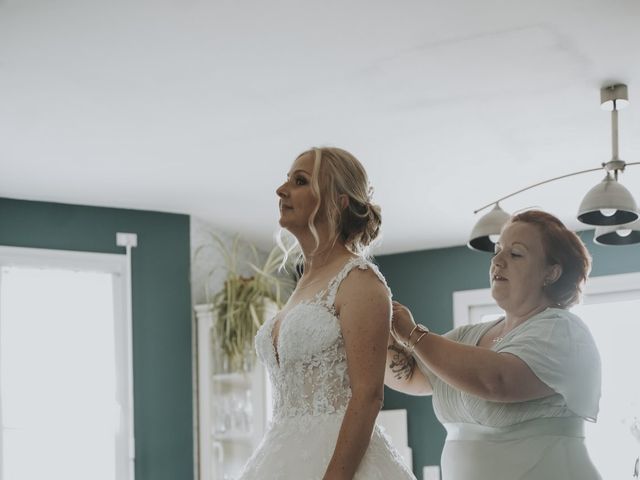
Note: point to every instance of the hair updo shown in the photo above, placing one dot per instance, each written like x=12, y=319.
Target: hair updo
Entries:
x=336, y=172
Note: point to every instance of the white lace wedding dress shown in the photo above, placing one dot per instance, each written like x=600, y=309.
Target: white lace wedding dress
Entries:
x=311, y=390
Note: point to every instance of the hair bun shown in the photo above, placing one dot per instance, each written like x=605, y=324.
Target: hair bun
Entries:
x=360, y=224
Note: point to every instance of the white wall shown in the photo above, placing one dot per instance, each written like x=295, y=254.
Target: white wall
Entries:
x=208, y=259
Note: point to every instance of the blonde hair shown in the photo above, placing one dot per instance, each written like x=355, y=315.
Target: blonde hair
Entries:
x=337, y=172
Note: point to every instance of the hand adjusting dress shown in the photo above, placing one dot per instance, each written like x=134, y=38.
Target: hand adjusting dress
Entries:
x=311, y=390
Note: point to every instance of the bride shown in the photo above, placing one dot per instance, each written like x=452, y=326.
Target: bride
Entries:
x=326, y=350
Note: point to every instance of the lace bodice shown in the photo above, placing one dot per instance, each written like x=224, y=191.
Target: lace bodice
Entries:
x=308, y=366
x=311, y=392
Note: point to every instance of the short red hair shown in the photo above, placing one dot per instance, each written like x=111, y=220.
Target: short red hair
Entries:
x=562, y=247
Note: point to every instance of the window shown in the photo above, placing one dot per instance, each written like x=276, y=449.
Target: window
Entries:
x=65, y=406
x=610, y=309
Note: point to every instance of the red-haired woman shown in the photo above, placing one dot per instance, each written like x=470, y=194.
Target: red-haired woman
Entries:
x=513, y=394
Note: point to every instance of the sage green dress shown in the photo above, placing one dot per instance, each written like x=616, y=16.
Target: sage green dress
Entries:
x=540, y=439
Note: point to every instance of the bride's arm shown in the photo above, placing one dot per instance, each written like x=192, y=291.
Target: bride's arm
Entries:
x=365, y=313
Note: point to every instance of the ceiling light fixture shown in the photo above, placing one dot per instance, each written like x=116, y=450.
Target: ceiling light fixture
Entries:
x=626, y=234
x=608, y=205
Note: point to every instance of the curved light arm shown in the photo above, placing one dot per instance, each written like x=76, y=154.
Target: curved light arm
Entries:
x=612, y=94
x=604, y=166
x=538, y=184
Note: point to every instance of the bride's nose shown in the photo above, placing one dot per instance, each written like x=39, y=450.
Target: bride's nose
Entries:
x=282, y=192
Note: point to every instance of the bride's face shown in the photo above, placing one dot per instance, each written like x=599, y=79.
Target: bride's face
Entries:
x=297, y=199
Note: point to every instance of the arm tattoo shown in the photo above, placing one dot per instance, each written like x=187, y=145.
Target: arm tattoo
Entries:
x=402, y=364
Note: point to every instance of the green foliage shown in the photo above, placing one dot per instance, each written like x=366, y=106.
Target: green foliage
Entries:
x=240, y=305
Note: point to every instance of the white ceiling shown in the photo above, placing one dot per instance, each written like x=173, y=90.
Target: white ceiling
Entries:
x=199, y=107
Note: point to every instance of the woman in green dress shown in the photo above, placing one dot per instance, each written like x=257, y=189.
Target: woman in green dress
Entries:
x=513, y=394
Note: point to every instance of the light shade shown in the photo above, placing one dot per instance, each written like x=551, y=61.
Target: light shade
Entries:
x=489, y=224
x=608, y=203
x=627, y=234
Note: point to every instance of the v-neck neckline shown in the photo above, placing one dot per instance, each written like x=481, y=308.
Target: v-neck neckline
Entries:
x=317, y=299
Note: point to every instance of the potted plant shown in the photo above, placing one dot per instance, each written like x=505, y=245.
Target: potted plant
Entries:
x=241, y=305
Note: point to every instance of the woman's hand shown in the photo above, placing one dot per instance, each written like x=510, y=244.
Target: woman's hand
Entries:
x=401, y=372
x=402, y=322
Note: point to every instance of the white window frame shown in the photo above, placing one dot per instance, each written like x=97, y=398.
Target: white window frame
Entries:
x=117, y=265
x=470, y=305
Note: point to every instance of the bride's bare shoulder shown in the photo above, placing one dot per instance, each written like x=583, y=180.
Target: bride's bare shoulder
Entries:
x=363, y=285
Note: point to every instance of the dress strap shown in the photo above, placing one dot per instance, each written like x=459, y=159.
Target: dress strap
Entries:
x=360, y=262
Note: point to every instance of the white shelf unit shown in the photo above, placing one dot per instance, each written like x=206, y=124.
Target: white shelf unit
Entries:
x=225, y=440
x=232, y=437
x=240, y=380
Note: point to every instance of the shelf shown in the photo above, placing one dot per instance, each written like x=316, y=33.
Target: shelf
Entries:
x=219, y=394
x=233, y=437
x=237, y=379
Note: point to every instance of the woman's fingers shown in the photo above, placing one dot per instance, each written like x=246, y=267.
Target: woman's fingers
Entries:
x=400, y=311
x=397, y=306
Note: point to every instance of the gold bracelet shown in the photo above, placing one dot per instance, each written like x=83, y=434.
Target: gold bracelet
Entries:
x=424, y=330
x=415, y=327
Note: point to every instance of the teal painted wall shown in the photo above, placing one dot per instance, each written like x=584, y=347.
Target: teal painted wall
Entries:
x=425, y=282
x=161, y=314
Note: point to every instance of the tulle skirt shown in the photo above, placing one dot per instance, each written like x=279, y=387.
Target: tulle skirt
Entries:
x=300, y=448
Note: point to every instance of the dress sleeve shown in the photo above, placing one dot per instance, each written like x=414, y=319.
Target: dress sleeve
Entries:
x=559, y=349
x=456, y=335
